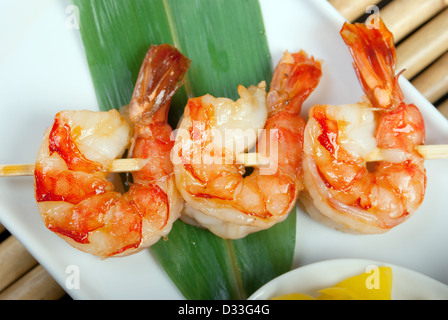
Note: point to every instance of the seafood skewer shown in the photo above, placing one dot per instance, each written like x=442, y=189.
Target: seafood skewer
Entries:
x=73, y=195
x=343, y=191
x=231, y=216
x=251, y=159
x=219, y=195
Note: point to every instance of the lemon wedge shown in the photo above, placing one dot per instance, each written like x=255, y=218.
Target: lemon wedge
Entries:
x=375, y=284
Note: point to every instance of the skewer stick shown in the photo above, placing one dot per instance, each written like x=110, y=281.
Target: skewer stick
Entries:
x=252, y=159
x=428, y=152
x=118, y=165
x=15, y=170
x=248, y=159
x=127, y=165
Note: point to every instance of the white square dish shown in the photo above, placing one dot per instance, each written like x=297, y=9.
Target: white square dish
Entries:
x=43, y=70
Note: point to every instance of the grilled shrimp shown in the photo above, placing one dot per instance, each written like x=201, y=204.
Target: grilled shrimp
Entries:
x=74, y=196
x=219, y=192
x=344, y=191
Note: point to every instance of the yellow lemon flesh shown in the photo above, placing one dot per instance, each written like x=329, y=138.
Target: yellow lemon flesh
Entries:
x=294, y=296
x=375, y=284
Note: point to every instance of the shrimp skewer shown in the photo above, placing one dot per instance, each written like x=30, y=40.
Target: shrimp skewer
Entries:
x=73, y=195
x=343, y=191
x=214, y=132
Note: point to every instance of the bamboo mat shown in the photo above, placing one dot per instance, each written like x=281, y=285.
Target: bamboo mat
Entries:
x=420, y=28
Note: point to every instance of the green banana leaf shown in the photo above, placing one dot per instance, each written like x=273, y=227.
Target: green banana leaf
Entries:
x=225, y=39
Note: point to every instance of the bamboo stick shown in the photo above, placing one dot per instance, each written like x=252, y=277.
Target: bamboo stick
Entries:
x=403, y=16
x=14, y=170
x=351, y=10
x=428, y=152
x=14, y=261
x=434, y=151
x=35, y=285
x=119, y=165
x=258, y=160
x=125, y=165
x=252, y=159
x=424, y=46
x=433, y=82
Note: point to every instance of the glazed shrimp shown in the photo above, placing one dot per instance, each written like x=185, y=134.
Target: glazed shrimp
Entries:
x=219, y=195
x=74, y=196
x=345, y=192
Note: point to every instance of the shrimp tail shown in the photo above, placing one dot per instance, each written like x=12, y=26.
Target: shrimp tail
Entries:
x=295, y=78
x=374, y=55
x=161, y=74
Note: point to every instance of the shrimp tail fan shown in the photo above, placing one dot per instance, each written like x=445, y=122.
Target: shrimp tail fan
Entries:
x=373, y=50
x=161, y=74
x=301, y=74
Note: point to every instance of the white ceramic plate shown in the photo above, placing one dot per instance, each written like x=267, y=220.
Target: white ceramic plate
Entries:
x=406, y=284
x=43, y=70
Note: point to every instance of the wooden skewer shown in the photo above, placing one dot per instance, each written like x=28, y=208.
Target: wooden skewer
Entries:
x=427, y=151
x=248, y=159
x=13, y=170
x=127, y=165
x=252, y=159
x=119, y=165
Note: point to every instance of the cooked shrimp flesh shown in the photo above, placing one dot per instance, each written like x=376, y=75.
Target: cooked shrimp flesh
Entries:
x=74, y=196
x=343, y=190
x=220, y=194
